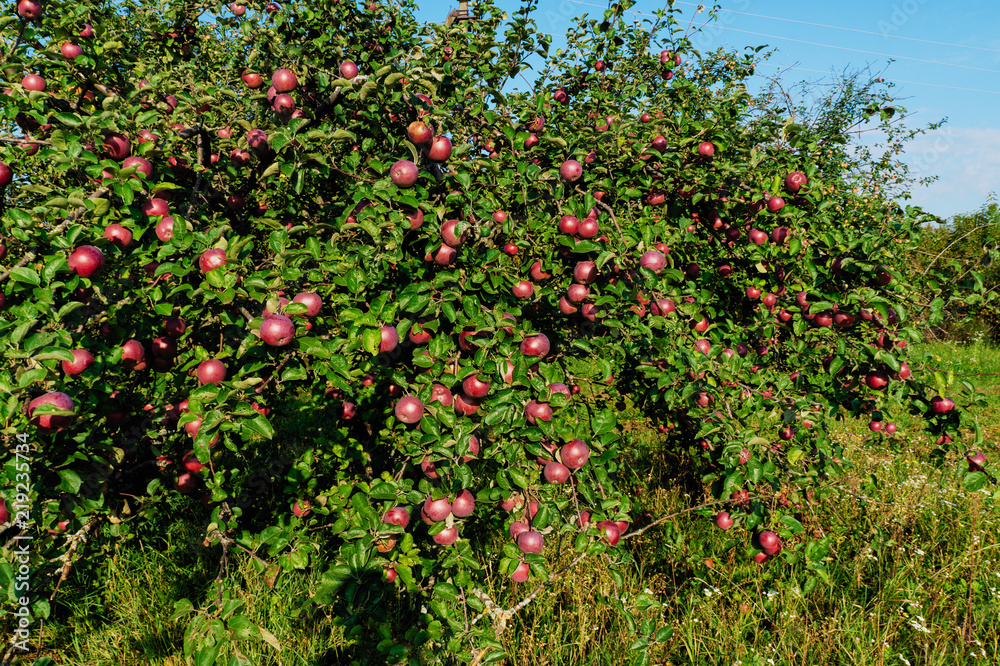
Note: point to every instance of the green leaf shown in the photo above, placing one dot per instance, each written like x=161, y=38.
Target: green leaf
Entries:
x=70, y=119
x=792, y=524
x=32, y=376
x=26, y=275
x=259, y=425
x=70, y=481
x=518, y=477
x=56, y=353
x=664, y=634
x=206, y=656
x=446, y=591
x=383, y=491
x=603, y=422
x=371, y=339
x=101, y=207
x=973, y=481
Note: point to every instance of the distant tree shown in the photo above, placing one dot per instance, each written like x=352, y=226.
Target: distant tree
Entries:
x=966, y=250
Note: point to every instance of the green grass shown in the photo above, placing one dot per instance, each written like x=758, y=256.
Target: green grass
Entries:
x=977, y=362
x=915, y=578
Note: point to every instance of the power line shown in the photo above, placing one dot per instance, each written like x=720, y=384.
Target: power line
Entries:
x=829, y=46
x=837, y=27
x=818, y=25
x=875, y=53
x=816, y=71
x=916, y=83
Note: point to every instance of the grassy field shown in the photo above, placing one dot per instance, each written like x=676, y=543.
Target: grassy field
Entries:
x=914, y=580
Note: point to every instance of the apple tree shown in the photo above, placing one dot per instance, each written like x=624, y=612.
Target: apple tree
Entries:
x=357, y=295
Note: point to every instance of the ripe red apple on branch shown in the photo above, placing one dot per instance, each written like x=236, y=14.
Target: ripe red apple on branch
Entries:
x=548, y=206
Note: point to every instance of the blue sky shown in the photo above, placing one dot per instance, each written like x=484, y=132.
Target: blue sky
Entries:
x=946, y=64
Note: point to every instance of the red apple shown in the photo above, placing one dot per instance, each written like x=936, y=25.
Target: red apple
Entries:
x=284, y=80
x=463, y=505
x=530, y=542
x=942, y=405
x=389, y=338
x=877, y=380
x=794, y=181
x=537, y=273
x=277, y=330
x=588, y=228
x=71, y=50
x=440, y=149
x=769, y=542
x=445, y=255
x=448, y=233
x=212, y=371
x=134, y=355
x=50, y=422
x=397, y=516
x=447, y=536
x=117, y=146
x=977, y=461
x=577, y=293
x=404, y=173
x=164, y=347
x=186, y=483
x=119, y=236
x=284, y=104
x=571, y=171
x=82, y=359
x=653, y=260
x=585, y=272
x=474, y=387
x=348, y=69
x=416, y=219
x=437, y=509
x=409, y=409
x=556, y=472
x=611, y=534
x=86, y=261
x=568, y=224
x=33, y=82
x=312, y=302
x=29, y=9
x=536, y=345
x=466, y=405
x=723, y=520
x=211, y=259
x=301, y=508
x=419, y=133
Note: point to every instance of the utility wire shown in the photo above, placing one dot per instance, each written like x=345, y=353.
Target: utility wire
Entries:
x=916, y=83
x=829, y=46
x=875, y=53
x=837, y=27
